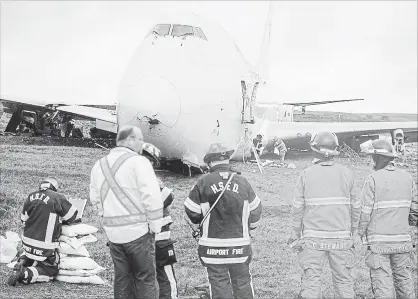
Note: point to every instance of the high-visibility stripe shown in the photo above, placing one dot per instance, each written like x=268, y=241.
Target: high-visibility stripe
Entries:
x=245, y=216
x=356, y=204
x=52, y=220
x=254, y=224
x=166, y=220
x=156, y=214
x=35, y=274
x=414, y=206
x=366, y=210
x=221, y=261
x=105, y=186
x=35, y=257
x=392, y=204
x=124, y=220
x=165, y=193
x=192, y=206
x=39, y=244
x=389, y=238
x=322, y=201
x=224, y=242
x=168, y=269
x=130, y=204
x=163, y=236
x=70, y=213
x=205, y=207
x=255, y=203
x=205, y=228
x=309, y=233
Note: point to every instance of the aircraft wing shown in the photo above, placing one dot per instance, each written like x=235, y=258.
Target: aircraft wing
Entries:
x=298, y=134
x=13, y=104
x=90, y=113
x=321, y=103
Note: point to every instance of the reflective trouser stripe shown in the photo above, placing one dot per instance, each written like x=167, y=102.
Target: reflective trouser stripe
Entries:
x=326, y=234
x=124, y=220
x=130, y=204
x=392, y=204
x=221, y=261
x=224, y=242
x=163, y=236
x=388, y=238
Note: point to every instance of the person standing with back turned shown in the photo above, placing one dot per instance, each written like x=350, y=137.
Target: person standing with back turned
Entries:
x=126, y=193
x=325, y=216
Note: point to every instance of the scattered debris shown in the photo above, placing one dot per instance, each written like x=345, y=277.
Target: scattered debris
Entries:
x=291, y=165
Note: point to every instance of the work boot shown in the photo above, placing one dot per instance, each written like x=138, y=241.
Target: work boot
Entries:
x=17, y=274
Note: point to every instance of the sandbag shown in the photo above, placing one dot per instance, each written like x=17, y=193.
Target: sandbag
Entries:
x=8, y=247
x=82, y=273
x=67, y=249
x=87, y=239
x=79, y=279
x=72, y=241
x=78, y=263
x=78, y=230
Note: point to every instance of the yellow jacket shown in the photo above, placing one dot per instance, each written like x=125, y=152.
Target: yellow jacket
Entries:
x=138, y=207
x=387, y=197
x=326, y=203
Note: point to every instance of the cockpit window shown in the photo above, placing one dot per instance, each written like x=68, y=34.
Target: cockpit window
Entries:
x=200, y=33
x=161, y=29
x=182, y=30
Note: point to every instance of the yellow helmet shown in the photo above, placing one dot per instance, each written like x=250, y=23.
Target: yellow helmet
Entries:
x=325, y=143
x=49, y=183
x=382, y=147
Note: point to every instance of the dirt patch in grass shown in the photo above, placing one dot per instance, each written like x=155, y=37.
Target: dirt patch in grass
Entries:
x=274, y=268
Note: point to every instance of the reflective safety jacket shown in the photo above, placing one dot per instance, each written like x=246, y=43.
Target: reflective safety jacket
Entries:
x=225, y=234
x=167, y=197
x=129, y=198
x=43, y=213
x=280, y=147
x=326, y=205
x=388, y=196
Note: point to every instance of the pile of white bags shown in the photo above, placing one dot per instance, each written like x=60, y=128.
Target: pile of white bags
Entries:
x=8, y=247
x=76, y=266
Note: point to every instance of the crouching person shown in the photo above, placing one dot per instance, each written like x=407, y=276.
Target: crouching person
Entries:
x=43, y=213
x=225, y=243
x=164, y=250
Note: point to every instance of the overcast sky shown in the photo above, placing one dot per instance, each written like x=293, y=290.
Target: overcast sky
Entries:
x=77, y=51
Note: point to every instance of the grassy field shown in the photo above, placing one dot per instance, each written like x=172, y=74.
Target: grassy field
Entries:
x=275, y=271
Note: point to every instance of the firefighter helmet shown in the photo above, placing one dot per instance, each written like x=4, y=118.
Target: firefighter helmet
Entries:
x=217, y=152
x=382, y=147
x=49, y=183
x=325, y=143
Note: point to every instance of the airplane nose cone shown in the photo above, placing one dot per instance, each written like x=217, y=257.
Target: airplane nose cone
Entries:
x=154, y=98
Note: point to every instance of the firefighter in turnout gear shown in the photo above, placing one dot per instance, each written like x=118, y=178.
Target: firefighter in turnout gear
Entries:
x=43, y=213
x=164, y=249
x=224, y=244
x=389, y=196
x=325, y=215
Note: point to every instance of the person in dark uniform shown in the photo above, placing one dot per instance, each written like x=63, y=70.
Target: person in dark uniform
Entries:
x=225, y=244
x=43, y=213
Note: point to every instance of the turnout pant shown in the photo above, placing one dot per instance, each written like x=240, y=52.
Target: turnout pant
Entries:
x=390, y=274
x=135, y=269
x=39, y=271
x=167, y=282
x=312, y=262
x=222, y=276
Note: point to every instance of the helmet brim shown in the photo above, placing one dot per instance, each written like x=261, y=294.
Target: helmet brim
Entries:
x=381, y=153
x=217, y=156
x=325, y=151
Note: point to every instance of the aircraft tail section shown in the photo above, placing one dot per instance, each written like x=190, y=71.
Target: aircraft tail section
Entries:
x=263, y=60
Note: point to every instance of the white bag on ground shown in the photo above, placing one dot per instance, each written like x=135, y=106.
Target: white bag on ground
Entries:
x=83, y=273
x=67, y=249
x=78, y=263
x=72, y=241
x=78, y=230
x=8, y=247
x=78, y=279
x=87, y=239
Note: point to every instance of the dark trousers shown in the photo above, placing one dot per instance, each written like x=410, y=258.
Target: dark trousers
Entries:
x=39, y=271
x=167, y=282
x=135, y=270
x=222, y=276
